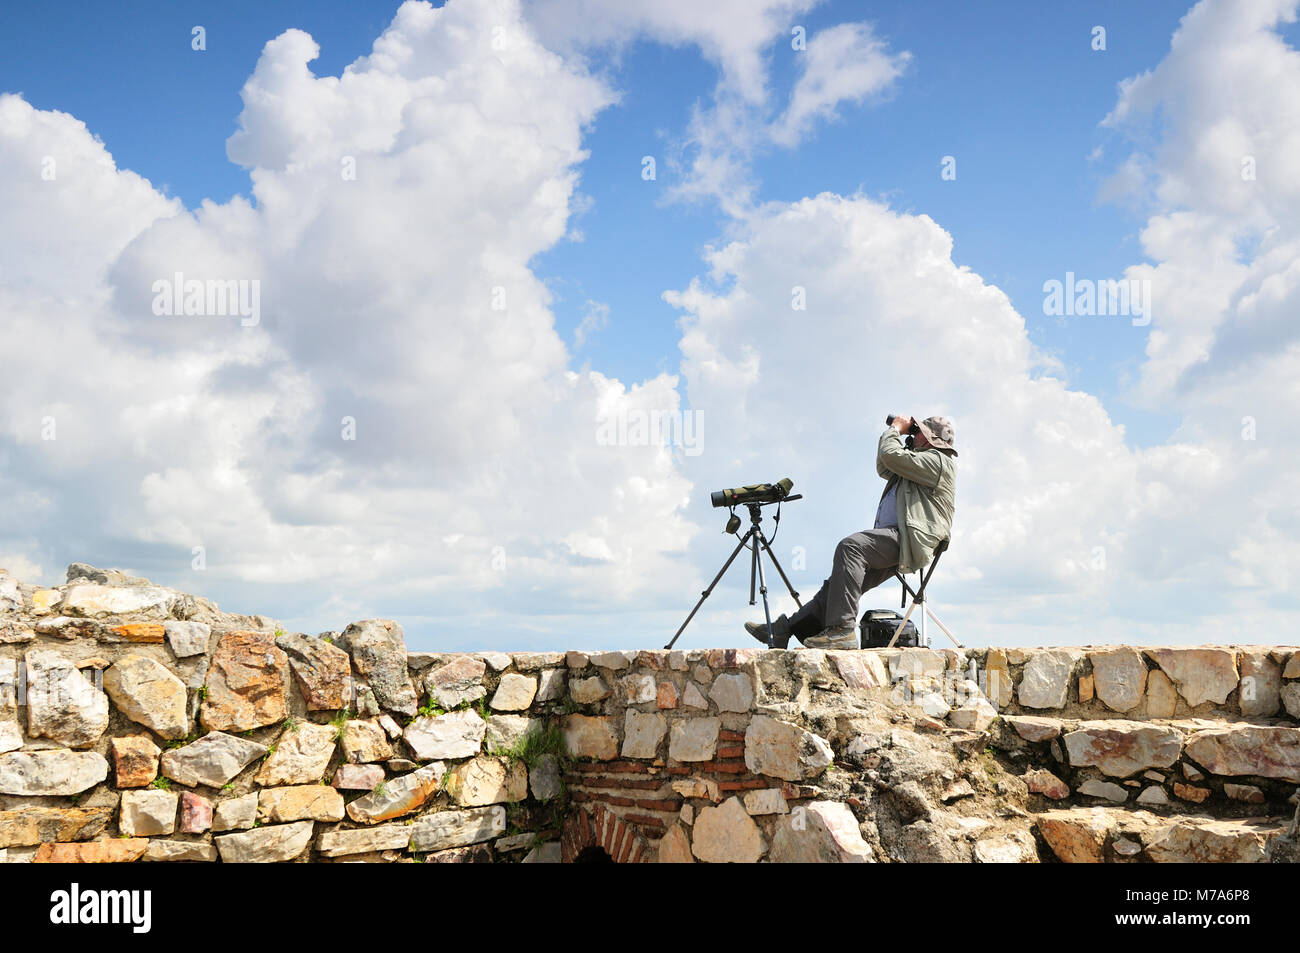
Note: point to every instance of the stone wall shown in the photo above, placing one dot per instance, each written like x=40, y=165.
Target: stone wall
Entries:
x=141, y=723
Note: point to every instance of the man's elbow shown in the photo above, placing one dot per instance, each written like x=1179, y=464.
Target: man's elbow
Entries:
x=894, y=463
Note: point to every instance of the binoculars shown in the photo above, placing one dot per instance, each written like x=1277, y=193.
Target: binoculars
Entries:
x=912, y=431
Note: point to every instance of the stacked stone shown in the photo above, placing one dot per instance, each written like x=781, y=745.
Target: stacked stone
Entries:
x=129, y=734
x=1173, y=753
x=1220, y=682
x=678, y=761
x=141, y=723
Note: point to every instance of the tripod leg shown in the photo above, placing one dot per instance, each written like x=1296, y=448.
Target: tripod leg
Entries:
x=753, y=570
x=768, y=549
x=762, y=587
x=725, y=566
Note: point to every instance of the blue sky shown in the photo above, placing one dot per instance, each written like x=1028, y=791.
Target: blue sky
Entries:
x=477, y=448
x=1013, y=91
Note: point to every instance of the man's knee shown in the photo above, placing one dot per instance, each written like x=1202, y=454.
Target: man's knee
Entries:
x=849, y=546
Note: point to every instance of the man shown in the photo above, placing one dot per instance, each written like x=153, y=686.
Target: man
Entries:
x=913, y=516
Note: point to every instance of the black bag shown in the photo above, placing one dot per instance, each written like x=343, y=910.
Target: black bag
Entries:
x=878, y=627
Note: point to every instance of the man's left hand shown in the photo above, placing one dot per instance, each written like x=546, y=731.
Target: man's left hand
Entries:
x=901, y=423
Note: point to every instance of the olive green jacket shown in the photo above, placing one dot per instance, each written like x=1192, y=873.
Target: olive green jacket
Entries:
x=927, y=486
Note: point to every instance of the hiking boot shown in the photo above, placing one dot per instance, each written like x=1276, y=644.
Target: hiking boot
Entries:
x=780, y=631
x=836, y=637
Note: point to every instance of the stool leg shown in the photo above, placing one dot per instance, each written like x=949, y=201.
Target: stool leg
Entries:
x=898, y=631
x=946, y=630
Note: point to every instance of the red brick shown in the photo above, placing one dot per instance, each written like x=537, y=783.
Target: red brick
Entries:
x=726, y=767
x=616, y=767
x=633, y=846
x=627, y=767
x=646, y=821
x=736, y=751
x=620, y=855
x=619, y=784
x=634, y=852
x=671, y=805
x=624, y=839
x=678, y=769
x=726, y=734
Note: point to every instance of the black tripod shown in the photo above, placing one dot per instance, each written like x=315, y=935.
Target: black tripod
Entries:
x=753, y=538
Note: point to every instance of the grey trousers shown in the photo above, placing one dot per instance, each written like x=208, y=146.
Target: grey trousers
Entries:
x=862, y=561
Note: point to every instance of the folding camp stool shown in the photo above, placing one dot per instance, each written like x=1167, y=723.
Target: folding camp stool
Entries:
x=918, y=599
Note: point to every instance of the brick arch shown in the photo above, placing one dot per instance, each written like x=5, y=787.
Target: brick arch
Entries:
x=601, y=827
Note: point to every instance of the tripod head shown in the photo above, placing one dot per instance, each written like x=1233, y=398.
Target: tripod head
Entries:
x=756, y=512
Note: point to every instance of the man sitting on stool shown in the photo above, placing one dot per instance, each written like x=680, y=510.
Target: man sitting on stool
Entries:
x=914, y=515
